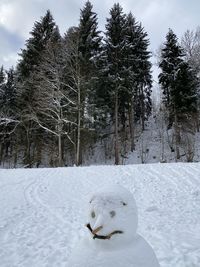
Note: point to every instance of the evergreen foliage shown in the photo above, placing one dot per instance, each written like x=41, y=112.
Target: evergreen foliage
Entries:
x=9, y=104
x=139, y=67
x=31, y=57
x=178, y=81
x=2, y=83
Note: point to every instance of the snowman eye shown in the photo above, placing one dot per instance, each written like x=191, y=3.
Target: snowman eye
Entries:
x=112, y=213
x=93, y=214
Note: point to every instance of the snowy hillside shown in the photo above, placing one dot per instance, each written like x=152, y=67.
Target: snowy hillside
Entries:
x=42, y=211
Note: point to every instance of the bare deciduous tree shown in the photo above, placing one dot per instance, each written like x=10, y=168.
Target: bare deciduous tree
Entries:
x=53, y=98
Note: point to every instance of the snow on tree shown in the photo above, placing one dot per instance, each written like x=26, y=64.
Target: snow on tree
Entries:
x=190, y=43
x=89, y=41
x=179, y=85
x=31, y=57
x=52, y=109
x=114, y=47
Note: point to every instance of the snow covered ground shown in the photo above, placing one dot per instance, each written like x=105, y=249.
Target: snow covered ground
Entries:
x=42, y=211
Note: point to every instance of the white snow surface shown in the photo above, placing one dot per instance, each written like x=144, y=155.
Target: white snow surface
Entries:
x=42, y=211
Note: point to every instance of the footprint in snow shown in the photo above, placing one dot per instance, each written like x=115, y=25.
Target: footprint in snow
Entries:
x=152, y=208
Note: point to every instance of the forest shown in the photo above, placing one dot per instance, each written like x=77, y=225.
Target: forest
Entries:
x=69, y=96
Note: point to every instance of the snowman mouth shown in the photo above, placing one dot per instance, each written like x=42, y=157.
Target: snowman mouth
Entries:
x=96, y=236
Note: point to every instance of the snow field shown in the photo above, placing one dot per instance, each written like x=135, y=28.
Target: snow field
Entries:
x=42, y=211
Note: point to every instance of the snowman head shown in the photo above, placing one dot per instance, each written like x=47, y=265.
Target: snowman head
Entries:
x=112, y=215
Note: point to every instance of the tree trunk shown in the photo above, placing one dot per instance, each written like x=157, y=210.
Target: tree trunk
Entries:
x=16, y=147
x=60, y=150
x=142, y=108
x=177, y=137
x=197, y=122
x=78, y=127
x=116, y=129
x=27, y=157
x=131, y=124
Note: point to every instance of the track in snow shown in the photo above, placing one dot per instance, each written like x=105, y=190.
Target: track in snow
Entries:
x=42, y=211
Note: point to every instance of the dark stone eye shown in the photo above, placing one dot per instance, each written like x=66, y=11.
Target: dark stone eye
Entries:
x=124, y=204
x=112, y=213
x=93, y=214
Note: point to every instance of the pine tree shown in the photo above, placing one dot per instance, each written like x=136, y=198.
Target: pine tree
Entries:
x=2, y=83
x=177, y=79
x=184, y=93
x=144, y=77
x=114, y=47
x=89, y=41
x=2, y=76
x=130, y=72
x=179, y=86
x=31, y=57
x=35, y=45
x=9, y=118
x=89, y=38
x=171, y=58
x=10, y=93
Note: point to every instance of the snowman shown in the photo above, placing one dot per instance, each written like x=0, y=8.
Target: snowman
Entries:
x=111, y=239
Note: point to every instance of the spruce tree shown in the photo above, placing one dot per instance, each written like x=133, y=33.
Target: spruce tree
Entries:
x=171, y=58
x=2, y=83
x=179, y=86
x=184, y=93
x=35, y=45
x=89, y=38
x=2, y=76
x=31, y=56
x=143, y=76
x=89, y=41
x=9, y=118
x=131, y=72
x=177, y=80
x=10, y=93
x=114, y=47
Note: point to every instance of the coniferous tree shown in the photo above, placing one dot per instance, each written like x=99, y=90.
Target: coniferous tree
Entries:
x=144, y=75
x=174, y=69
x=8, y=96
x=171, y=58
x=89, y=41
x=89, y=38
x=138, y=81
x=179, y=86
x=2, y=83
x=2, y=76
x=114, y=47
x=31, y=57
x=184, y=95
x=9, y=118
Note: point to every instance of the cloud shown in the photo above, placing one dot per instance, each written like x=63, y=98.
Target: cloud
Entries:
x=9, y=48
x=18, y=16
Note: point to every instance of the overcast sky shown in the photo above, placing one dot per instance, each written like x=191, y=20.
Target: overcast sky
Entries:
x=17, y=18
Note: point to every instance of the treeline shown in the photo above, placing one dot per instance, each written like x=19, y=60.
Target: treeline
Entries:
x=68, y=93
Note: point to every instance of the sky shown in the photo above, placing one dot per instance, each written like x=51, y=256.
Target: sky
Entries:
x=18, y=16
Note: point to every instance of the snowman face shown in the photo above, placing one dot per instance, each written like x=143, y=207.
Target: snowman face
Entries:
x=110, y=216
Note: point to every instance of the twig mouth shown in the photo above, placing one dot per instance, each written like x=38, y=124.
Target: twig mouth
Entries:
x=97, y=230
x=96, y=236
